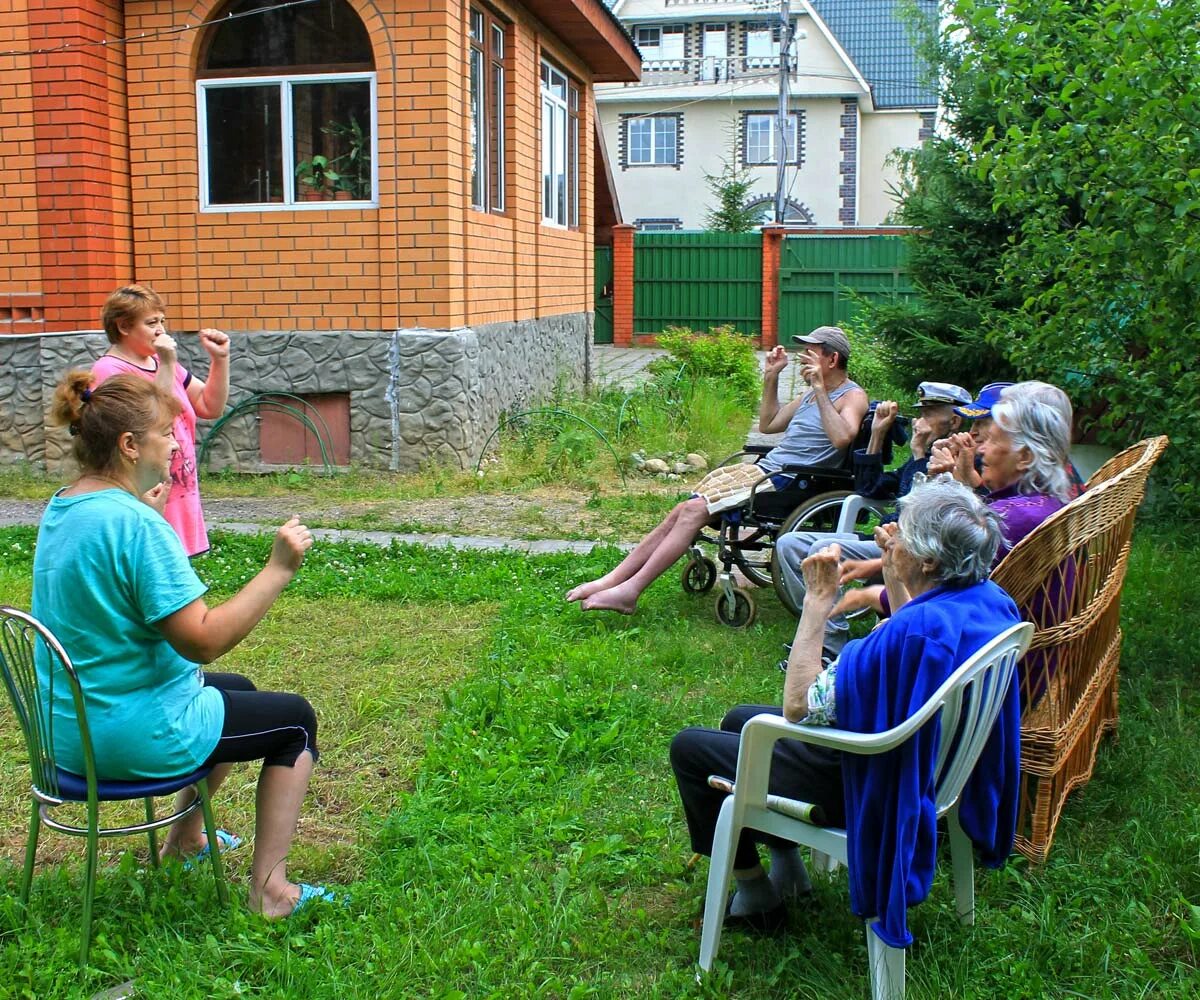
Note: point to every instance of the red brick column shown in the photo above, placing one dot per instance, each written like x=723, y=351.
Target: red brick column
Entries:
x=772, y=243
x=623, y=285
x=81, y=159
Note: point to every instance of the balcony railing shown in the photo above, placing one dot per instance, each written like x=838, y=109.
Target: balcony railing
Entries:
x=705, y=69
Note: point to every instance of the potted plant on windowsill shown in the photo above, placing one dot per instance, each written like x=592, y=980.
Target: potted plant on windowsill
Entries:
x=353, y=165
x=316, y=179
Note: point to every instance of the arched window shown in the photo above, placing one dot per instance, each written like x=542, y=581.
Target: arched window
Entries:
x=286, y=107
x=794, y=214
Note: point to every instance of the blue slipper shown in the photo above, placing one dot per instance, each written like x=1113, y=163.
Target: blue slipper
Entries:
x=310, y=894
x=227, y=841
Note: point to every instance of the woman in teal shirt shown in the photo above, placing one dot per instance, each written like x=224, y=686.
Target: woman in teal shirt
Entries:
x=112, y=581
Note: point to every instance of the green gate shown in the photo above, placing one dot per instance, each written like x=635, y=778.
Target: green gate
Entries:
x=602, y=330
x=820, y=275
x=697, y=280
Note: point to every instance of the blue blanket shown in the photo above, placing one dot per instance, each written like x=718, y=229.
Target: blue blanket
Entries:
x=882, y=680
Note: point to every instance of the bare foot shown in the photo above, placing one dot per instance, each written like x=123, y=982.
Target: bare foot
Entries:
x=618, y=599
x=585, y=590
x=275, y=905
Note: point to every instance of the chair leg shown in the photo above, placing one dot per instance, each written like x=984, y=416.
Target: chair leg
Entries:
x=214, y=846
x=35, y=827
x=89, y=880
x=152, y=835
x=822, y=862
x=962, y=858
x=725, y=841
x=887, y=968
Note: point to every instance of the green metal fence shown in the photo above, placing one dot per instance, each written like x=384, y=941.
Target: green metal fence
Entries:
x=602, y=277
x=818, y=273
x=697, y=280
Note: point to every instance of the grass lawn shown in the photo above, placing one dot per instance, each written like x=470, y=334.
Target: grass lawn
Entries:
x=495, y=797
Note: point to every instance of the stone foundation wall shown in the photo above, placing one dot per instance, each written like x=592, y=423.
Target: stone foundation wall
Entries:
x=415, y=395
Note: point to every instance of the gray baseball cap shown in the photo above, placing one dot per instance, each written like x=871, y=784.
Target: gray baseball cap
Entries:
x=833, y=337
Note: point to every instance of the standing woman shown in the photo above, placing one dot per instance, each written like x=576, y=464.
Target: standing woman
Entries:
x=135, y=322
x=112, y=582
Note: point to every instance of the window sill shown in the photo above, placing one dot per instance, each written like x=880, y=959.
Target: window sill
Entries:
x=299, y=206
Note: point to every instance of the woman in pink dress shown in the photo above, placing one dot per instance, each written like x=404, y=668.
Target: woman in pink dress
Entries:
x=135, y=322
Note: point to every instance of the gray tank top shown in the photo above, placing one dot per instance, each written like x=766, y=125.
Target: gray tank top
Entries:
x=805, y=441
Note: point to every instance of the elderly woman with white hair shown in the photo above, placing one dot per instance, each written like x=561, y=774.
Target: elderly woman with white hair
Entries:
x=936, y=560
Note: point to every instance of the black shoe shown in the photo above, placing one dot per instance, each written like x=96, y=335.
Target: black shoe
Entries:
x=770, y=922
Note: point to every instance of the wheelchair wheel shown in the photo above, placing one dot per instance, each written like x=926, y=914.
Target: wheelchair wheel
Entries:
x=738, y=611
x=820, y=513
x=699, y=575
x=755, y=564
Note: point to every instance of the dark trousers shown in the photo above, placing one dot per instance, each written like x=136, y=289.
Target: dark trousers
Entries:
x=798, y=770
x=271, y=726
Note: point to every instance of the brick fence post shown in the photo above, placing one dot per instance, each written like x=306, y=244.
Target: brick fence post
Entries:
x=772, y=243
x=623, y=285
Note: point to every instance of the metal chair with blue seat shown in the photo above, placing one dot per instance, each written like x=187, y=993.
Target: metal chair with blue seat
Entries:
x=20, y=634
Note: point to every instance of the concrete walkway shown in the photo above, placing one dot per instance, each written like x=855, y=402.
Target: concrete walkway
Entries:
x=29, y=512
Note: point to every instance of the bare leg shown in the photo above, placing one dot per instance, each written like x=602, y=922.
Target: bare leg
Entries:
x=690, y=517
x=187, y=835
x=632, y=562
x=281, y=792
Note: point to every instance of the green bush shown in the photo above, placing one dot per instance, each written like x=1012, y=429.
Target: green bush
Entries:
x=871, y=366
x=721, y=354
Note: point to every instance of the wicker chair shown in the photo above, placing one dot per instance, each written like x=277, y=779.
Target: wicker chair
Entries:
x=1066, y=577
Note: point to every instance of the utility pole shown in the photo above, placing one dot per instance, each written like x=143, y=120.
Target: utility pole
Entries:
x=785, y=70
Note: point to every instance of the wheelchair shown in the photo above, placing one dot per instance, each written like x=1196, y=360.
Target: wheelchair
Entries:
x=817, y=499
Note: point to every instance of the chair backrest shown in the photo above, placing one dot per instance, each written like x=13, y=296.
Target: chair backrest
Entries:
x=20, y=636
x=1066, y=578
x=971, y=701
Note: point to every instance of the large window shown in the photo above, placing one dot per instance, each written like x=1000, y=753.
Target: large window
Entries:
x=660, y=43
x=286, y=103
x=762, y=142
x=560, y=147
x=652, y=140
x=487, y=111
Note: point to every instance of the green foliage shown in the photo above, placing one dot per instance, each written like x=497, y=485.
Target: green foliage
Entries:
x=721, y=354
x=731, y=191
x=1061, y=236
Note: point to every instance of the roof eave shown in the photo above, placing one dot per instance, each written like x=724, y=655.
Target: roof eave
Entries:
x=594, y=34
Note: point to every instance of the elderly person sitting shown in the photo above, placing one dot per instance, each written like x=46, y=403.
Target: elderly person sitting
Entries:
x=936, y=560
x=818, y=428
x=1023, y=469
x=936, y=419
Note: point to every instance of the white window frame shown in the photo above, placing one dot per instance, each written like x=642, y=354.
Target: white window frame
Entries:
x=285, y=83
x=656, y=124
x=793, y=144
x=560, y=153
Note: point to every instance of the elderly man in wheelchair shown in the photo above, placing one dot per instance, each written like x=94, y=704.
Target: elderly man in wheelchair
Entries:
x=819, y=427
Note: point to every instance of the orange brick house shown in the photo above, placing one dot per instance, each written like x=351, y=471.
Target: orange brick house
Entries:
x=389, y=204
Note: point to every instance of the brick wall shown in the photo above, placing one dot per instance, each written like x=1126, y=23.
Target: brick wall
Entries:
x=848, y=189
x=82, y=215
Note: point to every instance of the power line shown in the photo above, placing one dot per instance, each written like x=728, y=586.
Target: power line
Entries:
x=144, y=36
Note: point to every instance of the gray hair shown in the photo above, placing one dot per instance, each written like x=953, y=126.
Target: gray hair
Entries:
x=944, y=521
x=1044, y=429
x=1045, y=392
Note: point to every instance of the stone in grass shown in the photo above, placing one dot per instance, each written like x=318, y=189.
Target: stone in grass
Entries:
x=655, y=466
x=681, y=468
x=638, y=459
x=696, y=461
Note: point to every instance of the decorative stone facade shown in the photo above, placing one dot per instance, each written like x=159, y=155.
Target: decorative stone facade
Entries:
x=848, y=191
x=415, y=395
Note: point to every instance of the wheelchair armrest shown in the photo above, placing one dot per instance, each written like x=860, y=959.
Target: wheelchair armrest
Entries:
x=756, y=449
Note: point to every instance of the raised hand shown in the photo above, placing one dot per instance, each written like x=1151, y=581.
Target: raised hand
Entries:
x=811, y=370
x=821, y=573
x=943, y=457
x=215, y=342
x=165, y=348
x=157, y=495
x=292, y=540
x=777, y=360
x=885, y=414
x=859, y=569
x=859, y=598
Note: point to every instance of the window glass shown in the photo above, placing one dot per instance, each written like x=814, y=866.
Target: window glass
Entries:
x=245, y=161
x=672, y=42
x=640, y=140
x=486, y=123
x=560, y=148
x=321, y=33
x=759, y=130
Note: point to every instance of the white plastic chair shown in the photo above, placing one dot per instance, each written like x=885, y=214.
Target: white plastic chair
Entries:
x=980, y=684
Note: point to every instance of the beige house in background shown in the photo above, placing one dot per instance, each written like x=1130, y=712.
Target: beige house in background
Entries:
x=709, y=92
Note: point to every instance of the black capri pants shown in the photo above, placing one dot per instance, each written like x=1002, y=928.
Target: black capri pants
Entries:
x=269, y=725
x=799, y=770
